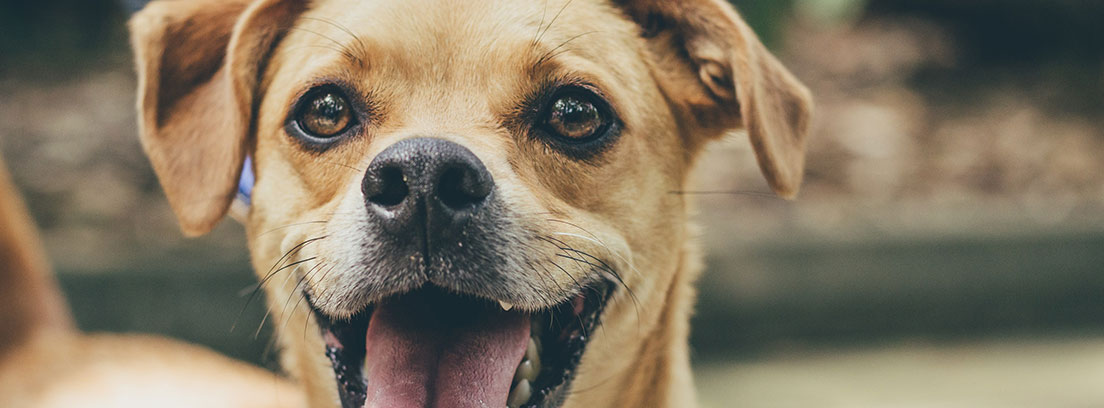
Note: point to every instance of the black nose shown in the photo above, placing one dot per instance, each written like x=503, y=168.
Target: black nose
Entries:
x=426, y=185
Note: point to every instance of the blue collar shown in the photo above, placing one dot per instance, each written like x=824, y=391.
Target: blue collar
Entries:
x=245, y=184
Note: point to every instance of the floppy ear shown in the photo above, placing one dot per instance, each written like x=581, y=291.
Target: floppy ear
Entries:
x=711, y=63
x=198, y=65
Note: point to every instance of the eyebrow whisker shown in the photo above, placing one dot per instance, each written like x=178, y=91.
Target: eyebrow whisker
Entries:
x=342, y=48
x=360, y=42
x=554, y=18
x=549, y=55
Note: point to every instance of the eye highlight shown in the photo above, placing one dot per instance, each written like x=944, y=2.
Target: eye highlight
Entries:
x=324, y=114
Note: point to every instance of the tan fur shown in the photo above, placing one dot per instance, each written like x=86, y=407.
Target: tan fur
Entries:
x=116, y=371
x=678, y=73
x=194, y=124
x=30, y=304
x=45, y=362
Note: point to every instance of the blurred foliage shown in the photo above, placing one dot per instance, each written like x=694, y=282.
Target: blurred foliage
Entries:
x=998, y=31
x=62, y=34
x=765, y=16
x=58, y=36
x=1014, y=31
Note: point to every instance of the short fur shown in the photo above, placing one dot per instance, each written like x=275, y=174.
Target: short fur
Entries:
x=679, y=73
x=218, y=80
x=46, y=363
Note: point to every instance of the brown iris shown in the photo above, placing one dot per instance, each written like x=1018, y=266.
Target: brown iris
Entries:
x=326, y=115
x=575, y=118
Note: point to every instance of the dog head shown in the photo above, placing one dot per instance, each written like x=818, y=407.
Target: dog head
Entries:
x=464, y=203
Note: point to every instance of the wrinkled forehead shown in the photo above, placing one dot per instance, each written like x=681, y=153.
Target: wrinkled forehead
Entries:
x=436, y=52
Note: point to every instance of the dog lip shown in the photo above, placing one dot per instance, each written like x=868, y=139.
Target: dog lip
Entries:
x=346, y=343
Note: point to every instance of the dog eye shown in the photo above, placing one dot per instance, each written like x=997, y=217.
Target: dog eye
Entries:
x=577, y=117
x=325, y=115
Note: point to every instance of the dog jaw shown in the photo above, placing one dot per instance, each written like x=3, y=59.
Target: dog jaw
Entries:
x=561, y=219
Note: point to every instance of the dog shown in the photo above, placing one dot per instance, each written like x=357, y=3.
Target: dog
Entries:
x=45, y=362
x=462, y=203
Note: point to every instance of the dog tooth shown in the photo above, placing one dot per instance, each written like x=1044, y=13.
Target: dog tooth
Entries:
x=505, y=305
x=526, y=371
x=537, y=341
x=519, y=395
x=536, y=363
x=532, y=354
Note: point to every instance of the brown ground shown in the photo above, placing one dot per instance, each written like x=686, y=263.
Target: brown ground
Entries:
x=1009, y=374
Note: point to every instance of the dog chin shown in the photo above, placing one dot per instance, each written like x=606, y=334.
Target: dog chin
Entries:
x=436, y=347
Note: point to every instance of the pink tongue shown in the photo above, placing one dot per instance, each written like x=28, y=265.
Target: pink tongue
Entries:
x=421, y=354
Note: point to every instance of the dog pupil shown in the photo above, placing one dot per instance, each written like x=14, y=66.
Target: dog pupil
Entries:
x=328, y=115
x=575, y=118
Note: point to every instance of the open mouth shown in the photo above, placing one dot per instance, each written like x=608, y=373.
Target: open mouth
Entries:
x=433, y=348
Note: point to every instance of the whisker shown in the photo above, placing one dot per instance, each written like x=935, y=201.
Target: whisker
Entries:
x=269, y=275
x=270, y=347
x=328, y=47
x=745, y=193
x=604, y=266
x=627, y=262
x=303, y=296
x=306, y=323
x=298, y=224
x=552, y=316
x=269, y=309
x=296, y=291
x=333, y=163
x=257, y=333
x=341, y=46
x=549, y=55
x=540, y=25
x=293, y=264
x=543, y=277
x=341, y=27
x=548, y=298
x=577, y=284
x=554, y=18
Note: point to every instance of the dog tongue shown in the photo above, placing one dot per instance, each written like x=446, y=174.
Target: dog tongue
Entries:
x=422, y=352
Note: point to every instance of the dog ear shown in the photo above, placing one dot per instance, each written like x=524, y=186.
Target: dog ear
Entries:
x=198, y=65
x=711, y=63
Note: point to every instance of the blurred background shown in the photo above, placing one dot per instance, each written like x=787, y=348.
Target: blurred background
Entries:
x=947, y=249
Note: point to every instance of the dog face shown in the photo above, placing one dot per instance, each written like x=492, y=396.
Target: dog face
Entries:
x=464, y=203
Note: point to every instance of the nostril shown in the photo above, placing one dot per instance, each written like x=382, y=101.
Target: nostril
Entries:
x=459, y=189
x=392, y=188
